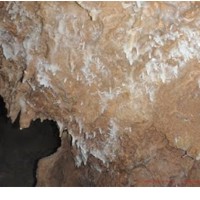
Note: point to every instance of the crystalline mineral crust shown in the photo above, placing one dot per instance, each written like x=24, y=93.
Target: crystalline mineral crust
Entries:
x=122, y=79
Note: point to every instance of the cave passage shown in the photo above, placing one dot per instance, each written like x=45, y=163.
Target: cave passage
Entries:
x=20, y=150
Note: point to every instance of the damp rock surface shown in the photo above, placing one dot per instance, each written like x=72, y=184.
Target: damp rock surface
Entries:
x=121, y=79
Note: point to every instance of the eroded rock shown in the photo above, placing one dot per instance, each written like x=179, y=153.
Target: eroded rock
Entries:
x=122, y=78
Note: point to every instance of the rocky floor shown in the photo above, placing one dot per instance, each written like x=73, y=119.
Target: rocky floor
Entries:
x=21, y=149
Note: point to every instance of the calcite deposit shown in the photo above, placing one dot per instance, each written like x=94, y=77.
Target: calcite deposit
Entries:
x=122, y=81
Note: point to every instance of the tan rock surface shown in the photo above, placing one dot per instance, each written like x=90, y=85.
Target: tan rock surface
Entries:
x=122, y=78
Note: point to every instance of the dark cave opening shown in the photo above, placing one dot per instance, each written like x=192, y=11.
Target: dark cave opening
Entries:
x=20, y=150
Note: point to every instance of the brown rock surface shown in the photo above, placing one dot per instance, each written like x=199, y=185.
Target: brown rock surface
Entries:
x=121, y=79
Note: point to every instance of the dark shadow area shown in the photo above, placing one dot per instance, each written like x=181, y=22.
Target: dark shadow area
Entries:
x=20, y=150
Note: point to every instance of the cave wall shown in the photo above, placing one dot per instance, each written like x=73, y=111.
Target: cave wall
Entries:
x=120, y=78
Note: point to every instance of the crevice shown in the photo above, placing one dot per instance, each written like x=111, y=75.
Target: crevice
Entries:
x=85, y=9
x=20, y=150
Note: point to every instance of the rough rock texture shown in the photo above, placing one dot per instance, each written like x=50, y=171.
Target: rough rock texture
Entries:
x=121, y=79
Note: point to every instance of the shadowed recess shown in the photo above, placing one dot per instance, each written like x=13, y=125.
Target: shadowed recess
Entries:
x=20, y=150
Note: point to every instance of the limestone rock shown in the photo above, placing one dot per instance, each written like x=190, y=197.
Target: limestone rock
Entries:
x=121, y=78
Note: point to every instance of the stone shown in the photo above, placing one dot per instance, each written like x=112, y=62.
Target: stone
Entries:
x=120, y=78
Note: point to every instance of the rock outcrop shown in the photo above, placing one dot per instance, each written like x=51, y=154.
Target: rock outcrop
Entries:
x=121, y=79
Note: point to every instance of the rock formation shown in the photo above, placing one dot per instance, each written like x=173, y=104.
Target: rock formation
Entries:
x=121, y=79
